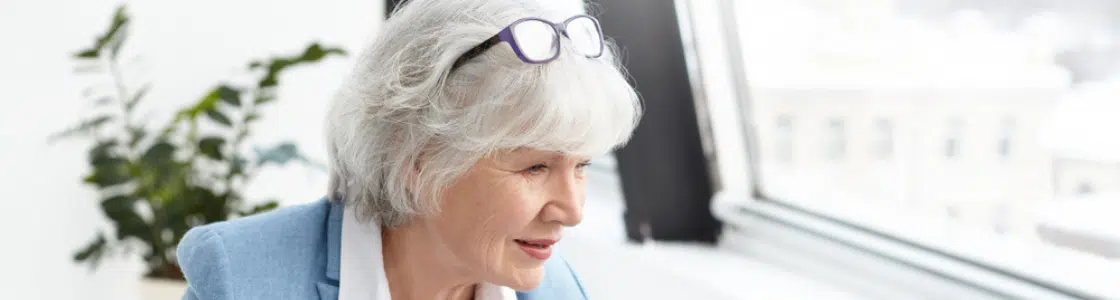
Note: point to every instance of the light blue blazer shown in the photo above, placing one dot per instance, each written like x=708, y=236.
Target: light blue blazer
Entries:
x=293, y=253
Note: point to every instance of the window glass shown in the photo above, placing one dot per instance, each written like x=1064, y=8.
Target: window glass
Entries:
x=982, y=116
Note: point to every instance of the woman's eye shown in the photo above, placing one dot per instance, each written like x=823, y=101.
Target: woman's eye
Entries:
x=536, y=169
x=583, y=165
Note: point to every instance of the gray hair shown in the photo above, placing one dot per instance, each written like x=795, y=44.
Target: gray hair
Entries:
x=403, y=125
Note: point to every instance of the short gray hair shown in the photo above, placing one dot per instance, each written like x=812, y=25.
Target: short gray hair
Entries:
x=404, y=125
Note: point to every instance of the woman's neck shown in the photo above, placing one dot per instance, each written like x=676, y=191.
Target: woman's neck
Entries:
x=418, y=267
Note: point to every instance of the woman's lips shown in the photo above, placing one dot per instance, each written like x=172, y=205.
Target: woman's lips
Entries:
x=539, y=249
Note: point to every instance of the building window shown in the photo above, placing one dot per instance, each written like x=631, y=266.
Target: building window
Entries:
x=784, y=138
x=884, y=139
x=953, y=138
x=1001, y=219
x=1085, y=188
x=837, y=139
x=953, y=212
x=1006, y=132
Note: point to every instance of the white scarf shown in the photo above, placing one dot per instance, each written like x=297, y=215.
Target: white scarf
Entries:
x=362, y=269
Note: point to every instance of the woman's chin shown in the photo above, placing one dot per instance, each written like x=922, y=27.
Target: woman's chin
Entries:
x=524, y=279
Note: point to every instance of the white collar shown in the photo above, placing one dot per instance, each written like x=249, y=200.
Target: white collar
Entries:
x=362, y=269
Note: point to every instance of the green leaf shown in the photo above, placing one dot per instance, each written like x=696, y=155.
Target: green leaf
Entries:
x=135, y=135
x=112, y=35
x=104, y=178
x=277, y=65
x=102, y=151
x=207, y=103
x=136, y=97
x=122, y=211
x=316, y=52
x=81, y=128
x=120, y=19
x=264, y=99
x=109, y=169
x=263, y=207
x=182, y=214
x=212, y=206
x=237, y=166
x=86, y=54
x=117, y=206
x=229, y=95
x=250, y=117
x=159, y=154
x=93, y=251
x=211, y=147
x=268, y=81
x=217, y=116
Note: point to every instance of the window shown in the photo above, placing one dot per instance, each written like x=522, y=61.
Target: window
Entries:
x=1006, y=133
x=967, y=85
x=884, y=139
x=1085, y=188
x=1000, y=218
x=784, y=137
x=953, y=138
x=952, y=211
x=836, y=140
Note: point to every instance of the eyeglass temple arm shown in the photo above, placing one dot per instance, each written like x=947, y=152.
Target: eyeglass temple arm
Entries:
x=476, y=51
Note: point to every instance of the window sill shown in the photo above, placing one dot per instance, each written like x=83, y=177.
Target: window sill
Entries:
x=890, y=255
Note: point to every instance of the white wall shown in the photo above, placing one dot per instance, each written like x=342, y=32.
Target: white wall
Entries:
x=185, y=47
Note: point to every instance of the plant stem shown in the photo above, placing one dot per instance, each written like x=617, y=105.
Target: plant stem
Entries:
x=158, y=248
x=122, y=92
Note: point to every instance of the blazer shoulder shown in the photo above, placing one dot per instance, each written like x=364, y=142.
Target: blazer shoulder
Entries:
x=222, y=259
x=282, y=222
x=205, y=264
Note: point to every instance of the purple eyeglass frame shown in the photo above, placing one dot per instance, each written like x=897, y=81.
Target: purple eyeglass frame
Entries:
x=506, y=35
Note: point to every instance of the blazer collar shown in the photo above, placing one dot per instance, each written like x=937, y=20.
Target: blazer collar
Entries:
x=328, y=289
x=334, y=240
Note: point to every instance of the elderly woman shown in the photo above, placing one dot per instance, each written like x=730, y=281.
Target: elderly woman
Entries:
x=457, y=155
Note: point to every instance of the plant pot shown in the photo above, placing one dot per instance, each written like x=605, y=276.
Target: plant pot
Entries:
x=162, y=289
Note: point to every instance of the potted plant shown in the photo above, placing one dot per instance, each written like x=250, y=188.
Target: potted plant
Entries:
x=156, y=182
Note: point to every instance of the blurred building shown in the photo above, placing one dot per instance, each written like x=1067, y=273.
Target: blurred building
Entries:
x=1079, y=135
x=971, y=154
x=1086, y=155
x=941, y=115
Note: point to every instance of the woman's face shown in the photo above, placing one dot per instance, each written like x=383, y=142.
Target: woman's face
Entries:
x=500, y=219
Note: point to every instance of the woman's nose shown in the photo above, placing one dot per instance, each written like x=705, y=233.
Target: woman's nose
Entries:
x=566, y=197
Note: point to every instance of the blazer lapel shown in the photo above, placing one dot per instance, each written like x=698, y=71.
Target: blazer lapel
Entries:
x=328, y=289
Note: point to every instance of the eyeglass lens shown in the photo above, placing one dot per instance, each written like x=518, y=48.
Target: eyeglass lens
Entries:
x=537, y=40
x=585, y=36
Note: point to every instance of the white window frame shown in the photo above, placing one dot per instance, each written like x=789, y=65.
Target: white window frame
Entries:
x=882, y=255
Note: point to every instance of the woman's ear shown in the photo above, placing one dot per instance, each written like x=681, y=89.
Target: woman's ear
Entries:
x=412, y=177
